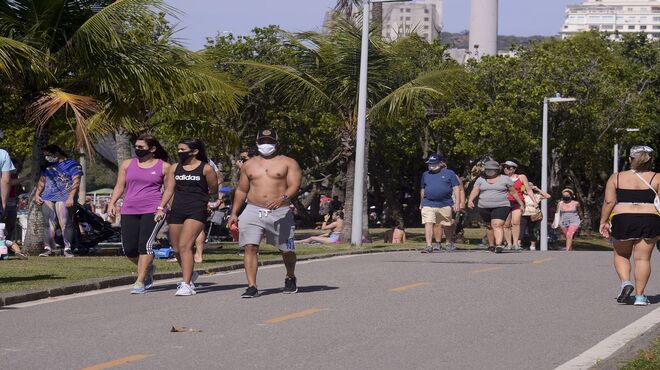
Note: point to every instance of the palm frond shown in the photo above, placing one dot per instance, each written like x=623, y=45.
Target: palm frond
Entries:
x=425, y=89
x=109, y=28
x=346, y=6
x=17, y=57
x=42, y=110
x=294, y=85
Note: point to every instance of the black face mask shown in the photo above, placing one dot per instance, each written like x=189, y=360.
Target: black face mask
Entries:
x=183, y=156
x=566, y=199
x=141, y=153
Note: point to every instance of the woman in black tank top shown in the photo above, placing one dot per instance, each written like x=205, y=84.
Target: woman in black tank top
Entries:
x=192, y=182
x=630, y=217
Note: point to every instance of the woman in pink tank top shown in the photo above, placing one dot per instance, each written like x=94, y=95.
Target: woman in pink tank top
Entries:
x=140, y=180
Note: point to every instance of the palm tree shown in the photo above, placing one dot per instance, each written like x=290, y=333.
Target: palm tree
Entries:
x=328, y=79
x=91, y=64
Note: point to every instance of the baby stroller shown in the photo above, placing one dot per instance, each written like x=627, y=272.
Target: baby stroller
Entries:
x=90, y=231
x=216, y=228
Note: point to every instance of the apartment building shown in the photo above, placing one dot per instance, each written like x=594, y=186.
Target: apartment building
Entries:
x=613, y=16
x=423, y=17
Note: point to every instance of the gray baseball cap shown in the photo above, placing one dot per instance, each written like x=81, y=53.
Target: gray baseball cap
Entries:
x=491, y=165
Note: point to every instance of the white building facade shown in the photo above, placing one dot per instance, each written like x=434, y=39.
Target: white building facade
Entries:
x=613, y=16
x=423, y=17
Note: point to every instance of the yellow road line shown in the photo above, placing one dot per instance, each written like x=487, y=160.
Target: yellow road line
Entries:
x=487, y=269
x=295, y=315
x=543, y=260
x=119, y=361
x=410, y=286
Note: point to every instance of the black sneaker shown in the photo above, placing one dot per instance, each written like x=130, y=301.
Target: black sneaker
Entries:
x=499, y=249
x=491, y=249
x=290, y=286
x=626, y=290
x=428, y=249
x=250, y=292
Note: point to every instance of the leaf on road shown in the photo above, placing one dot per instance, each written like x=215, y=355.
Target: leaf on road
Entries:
x=183, y=329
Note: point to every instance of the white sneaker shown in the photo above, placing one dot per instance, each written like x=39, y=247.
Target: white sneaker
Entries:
x=184, y=289
x=532, y=248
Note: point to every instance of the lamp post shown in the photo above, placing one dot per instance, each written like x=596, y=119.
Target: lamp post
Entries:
x=615, y=159
x=544, y=165
x=358, y=189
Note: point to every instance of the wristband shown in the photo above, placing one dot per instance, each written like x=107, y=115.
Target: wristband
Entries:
x=285, y=197
x=159, y=208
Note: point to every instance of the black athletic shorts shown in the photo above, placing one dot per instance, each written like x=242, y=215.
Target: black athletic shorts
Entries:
x=177, y=218
x=499, y=213
x=138, y=233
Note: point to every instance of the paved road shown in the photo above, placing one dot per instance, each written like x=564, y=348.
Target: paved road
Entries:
x=462, y=310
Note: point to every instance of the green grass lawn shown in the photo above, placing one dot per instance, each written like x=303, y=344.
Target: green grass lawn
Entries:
x=646, y=359
x=19, y=275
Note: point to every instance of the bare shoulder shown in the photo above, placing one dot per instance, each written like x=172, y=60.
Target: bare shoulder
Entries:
x=249, y=164
x=173, y=167
x=166, y=166
x=289, y=161
x=126, y=163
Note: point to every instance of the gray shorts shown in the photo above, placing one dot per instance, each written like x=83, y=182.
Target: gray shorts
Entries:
x=277, y=224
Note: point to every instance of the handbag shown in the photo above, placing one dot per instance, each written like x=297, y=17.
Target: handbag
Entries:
x=555, y=222
x=656, y=201
x=538, y=216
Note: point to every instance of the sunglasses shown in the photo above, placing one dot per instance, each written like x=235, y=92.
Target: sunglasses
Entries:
x=509, y=167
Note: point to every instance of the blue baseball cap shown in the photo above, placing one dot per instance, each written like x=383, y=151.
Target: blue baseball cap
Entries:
x=435, y=158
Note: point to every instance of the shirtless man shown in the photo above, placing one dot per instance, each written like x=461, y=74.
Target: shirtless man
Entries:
x=268, y=181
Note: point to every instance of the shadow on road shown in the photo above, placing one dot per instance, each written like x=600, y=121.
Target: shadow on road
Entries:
x=301, y=289
x=465, y=262
x=201, y=287
x=16, y=279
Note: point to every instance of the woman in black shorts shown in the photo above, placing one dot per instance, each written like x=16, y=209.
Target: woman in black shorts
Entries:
x=494, y=206
x=192, y=182
x=631, y=218
x=140, y=180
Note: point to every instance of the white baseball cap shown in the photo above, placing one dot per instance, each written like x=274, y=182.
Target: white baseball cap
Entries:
x=510, y=164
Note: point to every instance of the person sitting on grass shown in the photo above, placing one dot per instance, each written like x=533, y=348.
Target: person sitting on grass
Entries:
x=334, y=225
x=395, y=235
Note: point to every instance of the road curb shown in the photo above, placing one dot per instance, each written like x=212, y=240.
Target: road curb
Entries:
x=7, y=299
x=629, y=351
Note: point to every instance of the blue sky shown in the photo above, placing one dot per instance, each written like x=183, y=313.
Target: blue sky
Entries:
x=205, y=18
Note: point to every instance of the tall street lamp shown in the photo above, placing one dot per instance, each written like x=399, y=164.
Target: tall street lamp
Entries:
x=544, y=165
x=615, y=159
x=358, y=189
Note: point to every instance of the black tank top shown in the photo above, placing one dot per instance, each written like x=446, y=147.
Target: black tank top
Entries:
x=634, y=195
x=191, y=191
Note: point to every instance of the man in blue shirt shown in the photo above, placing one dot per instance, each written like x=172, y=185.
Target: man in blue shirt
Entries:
x=439, y=188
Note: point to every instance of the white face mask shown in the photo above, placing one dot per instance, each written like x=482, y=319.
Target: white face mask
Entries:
x=51, y=159
x=266, y=149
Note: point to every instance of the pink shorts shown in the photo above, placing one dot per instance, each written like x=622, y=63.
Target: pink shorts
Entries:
x=570, y=231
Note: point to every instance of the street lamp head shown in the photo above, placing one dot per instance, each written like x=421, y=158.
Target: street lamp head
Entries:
x=561, y=100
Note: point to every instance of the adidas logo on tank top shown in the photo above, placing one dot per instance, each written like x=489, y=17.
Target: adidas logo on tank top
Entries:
x=187, y=178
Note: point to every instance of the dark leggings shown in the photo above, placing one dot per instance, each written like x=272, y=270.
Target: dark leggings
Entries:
x=57, y=213
x=528, y=228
